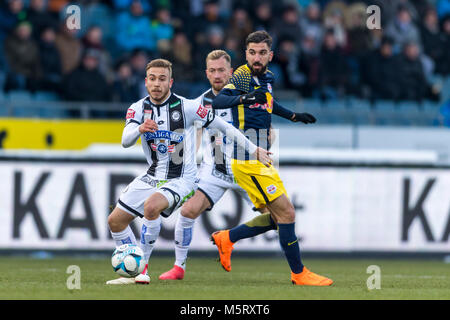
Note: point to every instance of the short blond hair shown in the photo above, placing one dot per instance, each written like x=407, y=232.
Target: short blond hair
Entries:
x=160, y=63
x=217, y=54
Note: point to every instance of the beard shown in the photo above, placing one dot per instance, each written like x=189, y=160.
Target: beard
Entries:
x=259, y=72
x=218, y=86
x=160, y=96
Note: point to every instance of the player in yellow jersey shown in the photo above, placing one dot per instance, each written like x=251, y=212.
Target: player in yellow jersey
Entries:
x=249, y=95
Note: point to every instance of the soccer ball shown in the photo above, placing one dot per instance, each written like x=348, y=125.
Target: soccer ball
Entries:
x=128, y=260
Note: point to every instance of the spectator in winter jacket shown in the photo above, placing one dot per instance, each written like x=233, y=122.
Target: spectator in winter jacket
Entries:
x=22, y=57
x=333, y=69
x=134, y=30
x=50, y=61
x=402, y=29
x=86, y=83
x=381, y=74
x=433, y=40
x=412, y=79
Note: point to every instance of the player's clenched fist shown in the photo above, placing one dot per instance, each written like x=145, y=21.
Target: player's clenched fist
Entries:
x=148, y=126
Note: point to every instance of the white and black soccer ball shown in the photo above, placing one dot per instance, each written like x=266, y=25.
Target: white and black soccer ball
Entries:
x=128, y=260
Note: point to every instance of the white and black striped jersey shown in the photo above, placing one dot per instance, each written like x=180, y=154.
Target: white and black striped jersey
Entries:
x=218, y=147
x=170, y=151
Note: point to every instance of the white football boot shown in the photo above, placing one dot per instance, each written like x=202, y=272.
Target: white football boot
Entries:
x=143, y=277
x=121, y=280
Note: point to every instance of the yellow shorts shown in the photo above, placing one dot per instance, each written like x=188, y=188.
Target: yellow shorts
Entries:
x=263, y=184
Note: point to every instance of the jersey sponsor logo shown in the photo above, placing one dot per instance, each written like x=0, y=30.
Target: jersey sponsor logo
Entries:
x=222, y=176
x=259, y=106
x=152, y=182
x=271, y=189
x=164, y=134
x=202, y=111
x=173, y=105
x=130, y=113
x=268, y=106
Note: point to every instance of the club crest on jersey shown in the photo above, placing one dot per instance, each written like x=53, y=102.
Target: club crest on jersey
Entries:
x=269, y=87
x=130, y=113
x=176, y=115
x=162, y=147
x=202, y=111
x=271, y=189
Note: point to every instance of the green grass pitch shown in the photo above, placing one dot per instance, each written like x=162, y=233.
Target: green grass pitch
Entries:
x=250, y=279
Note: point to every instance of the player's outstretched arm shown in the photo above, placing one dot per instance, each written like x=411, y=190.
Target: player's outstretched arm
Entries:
x=227, y=129
x=281, y=111
x=228, y=98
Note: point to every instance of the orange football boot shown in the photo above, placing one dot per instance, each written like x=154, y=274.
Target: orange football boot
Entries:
x=308, y=278
x=222, y=240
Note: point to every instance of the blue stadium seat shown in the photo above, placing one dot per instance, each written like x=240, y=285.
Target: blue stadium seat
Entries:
x=22, y=100
x=19, y=96
x=430, y=107
x=333, y=104
x=45, y=96
x=408, y=106
x=384, y=105
x=359, y=104
x=54, y=113
x=400, y=118
x=327, y=118
x=3, y=109
x=446, y=89
x=361, y=117
x=310, y=104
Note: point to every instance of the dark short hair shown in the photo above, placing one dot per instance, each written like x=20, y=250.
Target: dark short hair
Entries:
x=258, y=37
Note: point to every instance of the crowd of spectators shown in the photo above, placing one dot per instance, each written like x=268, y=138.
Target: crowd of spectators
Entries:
x=322, y=49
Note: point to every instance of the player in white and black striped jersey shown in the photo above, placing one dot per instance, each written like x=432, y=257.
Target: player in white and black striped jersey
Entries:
x=215, y=175
x=165, y=123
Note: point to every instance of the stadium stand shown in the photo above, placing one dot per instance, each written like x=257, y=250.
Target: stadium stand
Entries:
x=325, y=56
